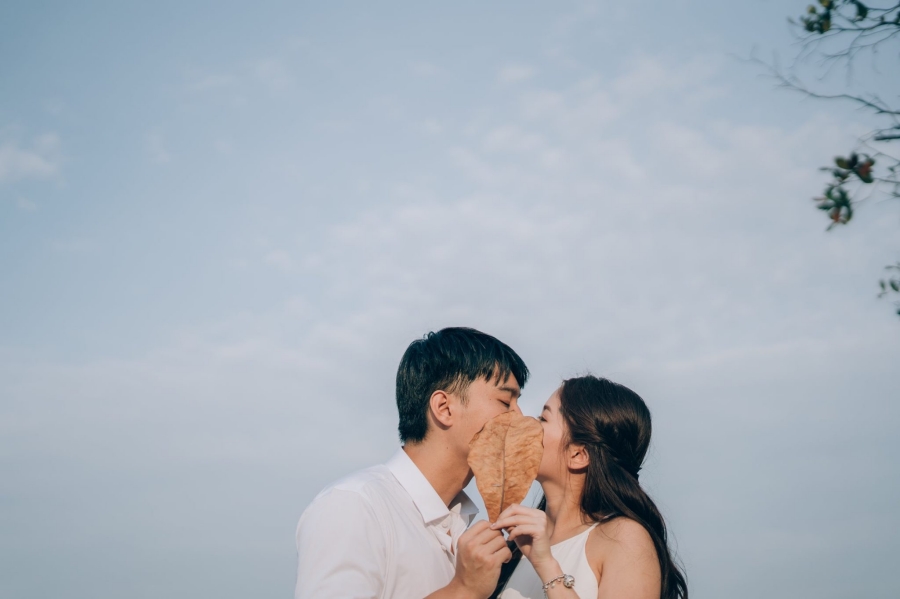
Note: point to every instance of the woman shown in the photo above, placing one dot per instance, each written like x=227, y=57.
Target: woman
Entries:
x=596, y=524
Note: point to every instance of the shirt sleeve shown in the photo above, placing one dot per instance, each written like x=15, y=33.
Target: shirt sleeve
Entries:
x=340, y=549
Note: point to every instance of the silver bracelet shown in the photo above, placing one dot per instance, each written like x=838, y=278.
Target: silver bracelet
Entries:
x=568, y=581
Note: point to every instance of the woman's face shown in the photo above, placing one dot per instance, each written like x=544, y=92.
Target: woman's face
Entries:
x=553, y=466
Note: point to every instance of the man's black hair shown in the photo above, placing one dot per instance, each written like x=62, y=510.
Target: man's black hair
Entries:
x=448, y=360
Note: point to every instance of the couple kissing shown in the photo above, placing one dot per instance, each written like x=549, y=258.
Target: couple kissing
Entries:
x=404, y=529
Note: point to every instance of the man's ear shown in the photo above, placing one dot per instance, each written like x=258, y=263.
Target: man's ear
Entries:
x=441, y=408
x=577, y=457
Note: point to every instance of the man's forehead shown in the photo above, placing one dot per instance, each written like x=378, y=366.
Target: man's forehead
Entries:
x=507, y=383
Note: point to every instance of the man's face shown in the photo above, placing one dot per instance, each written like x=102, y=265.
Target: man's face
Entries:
x=486, y=399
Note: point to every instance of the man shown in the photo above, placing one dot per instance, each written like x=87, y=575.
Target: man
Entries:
x=398, y=530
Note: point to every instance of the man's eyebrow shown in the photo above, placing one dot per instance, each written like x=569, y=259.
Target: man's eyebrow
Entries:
x=514, y=391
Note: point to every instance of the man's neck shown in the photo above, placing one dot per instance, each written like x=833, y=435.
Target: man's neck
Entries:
x=440, y=466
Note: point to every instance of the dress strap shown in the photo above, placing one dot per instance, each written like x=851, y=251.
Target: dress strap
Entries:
x=608, y=517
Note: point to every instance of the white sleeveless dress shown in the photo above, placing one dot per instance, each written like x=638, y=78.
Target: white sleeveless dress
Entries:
x=525, y=583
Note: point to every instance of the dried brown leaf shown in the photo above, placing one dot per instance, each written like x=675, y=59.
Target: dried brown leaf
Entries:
x=505, y=456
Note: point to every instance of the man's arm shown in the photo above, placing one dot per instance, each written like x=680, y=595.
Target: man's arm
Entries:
x=481, y=552
x=340, y=549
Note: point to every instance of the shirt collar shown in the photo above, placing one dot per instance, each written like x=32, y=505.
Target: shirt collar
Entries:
x=428, y=502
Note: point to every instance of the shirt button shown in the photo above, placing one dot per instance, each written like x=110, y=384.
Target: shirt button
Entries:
x=445, y=524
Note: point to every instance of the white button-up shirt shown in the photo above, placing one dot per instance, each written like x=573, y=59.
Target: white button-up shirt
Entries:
x=381, y=533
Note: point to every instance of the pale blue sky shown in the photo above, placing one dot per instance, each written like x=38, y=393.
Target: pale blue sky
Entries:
x=220, y=226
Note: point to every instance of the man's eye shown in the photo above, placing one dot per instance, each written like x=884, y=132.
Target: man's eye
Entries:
x=503, y=402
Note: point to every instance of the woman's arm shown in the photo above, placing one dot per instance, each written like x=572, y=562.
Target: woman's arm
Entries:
x=531, y=530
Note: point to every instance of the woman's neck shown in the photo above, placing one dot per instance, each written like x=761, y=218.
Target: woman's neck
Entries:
x=564, y=507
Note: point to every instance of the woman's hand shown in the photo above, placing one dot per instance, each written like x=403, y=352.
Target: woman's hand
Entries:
x=531, y=530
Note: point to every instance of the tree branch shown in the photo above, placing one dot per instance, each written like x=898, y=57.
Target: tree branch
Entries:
x=795, y=85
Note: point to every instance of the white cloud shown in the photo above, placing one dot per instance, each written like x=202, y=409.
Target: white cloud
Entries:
x=26, y=205
x=336, y=125
x=54, y=106
x=280, y=259
x=212, y=82
x=510, y=138
x=536, y=104
x=224, y=146
x=647, y=75
x=39, y=161
x=515, y=73
x=273, y=73
x=74, y=245
x=156, y=147
x=423, y=68
x=432, y=127
x=584, y=107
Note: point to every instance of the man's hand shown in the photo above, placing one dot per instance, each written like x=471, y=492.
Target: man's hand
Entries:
x=480, y=553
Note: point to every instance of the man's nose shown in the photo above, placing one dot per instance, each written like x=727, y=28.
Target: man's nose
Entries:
x=516, y=408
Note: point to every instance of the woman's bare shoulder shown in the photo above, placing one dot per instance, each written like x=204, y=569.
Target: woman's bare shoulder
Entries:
x=619, y=541
x=622, y=532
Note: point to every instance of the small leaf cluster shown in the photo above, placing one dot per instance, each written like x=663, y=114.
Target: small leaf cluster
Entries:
x=819, y=20
x=836, y=202
x=847, y=15
x=815, y=21
x=855, y=164
x=891, y=284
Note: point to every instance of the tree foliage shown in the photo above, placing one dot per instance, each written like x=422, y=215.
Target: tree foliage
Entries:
x=837, y=32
